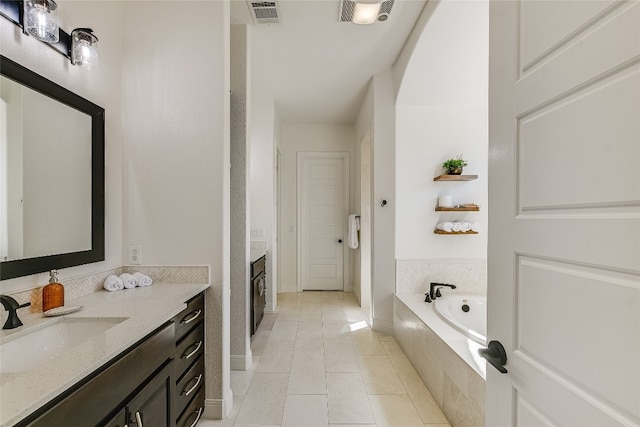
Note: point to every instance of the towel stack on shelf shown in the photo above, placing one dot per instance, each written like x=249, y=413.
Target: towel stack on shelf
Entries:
x=458, y=226
x=126, y=281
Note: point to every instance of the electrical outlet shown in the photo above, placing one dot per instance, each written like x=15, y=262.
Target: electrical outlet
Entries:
x=135, y=255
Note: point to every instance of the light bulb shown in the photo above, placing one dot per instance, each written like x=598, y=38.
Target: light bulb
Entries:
x=41, y=21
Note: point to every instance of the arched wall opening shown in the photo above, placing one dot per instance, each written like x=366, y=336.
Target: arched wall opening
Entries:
x=441, y=113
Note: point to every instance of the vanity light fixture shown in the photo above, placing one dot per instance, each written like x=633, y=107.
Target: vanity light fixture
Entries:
x=83, y=48
x=41, y=20
x=366, y=12
x=38, y=18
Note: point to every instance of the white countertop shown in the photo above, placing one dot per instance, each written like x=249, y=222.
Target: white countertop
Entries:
x=144, y=309
x=255, y=254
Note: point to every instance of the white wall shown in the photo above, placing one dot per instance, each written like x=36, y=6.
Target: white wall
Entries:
x=240, y=299
x=383, y=218
x=102, y=87
x=442, y=113
x=176, y=132
x=448, y=63
x=296, y=138
x=426, y=136
x=377, y=117
x=262, y=176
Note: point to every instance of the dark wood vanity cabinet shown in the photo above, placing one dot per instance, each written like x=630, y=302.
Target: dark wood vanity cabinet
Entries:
x=158, y=382
x=188, y=366
x=106, y=396
x=151, y=406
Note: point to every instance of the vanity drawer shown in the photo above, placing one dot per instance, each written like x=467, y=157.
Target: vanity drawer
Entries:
x=188, y=350
x=194, y=411
x=189, y=385
x=190, y=316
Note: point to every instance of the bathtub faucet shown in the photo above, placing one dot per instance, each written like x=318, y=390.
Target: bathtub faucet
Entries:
x=434, y=290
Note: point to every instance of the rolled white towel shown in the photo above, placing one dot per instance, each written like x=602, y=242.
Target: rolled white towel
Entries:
x=445, y=226
x=353, y=225
x=464, y=226
x=113, y=283
x=457, y=226
x=476, y=227
x=129, y=281
x=143, y=279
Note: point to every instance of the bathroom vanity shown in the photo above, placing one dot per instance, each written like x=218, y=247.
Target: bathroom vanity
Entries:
x=147, y=368
x=258, y=288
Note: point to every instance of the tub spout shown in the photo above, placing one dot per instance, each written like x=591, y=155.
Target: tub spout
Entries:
x=434, y=290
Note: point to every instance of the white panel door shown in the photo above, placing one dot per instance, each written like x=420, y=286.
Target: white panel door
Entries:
x=323, y=184
x=564, y=227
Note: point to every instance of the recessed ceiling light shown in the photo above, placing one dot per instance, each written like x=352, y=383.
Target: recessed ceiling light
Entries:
x=366, y=13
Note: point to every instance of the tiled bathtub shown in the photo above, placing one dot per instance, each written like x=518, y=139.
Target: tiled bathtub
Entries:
x=447, y=361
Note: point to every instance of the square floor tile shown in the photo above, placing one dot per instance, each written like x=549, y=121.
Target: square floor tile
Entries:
x=276, y=357
x=305, y=411
x=264, y=402
x=394, y=411
x=347, y=399
x=379, y=375
x=284, y=330
x=307, y=375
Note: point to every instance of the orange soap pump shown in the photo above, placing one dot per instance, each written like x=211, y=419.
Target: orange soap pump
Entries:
x=53, y=293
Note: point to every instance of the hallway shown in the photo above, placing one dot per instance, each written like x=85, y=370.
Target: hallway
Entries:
x=317, y=363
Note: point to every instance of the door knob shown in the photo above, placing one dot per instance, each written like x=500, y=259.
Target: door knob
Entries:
x=339, y=240
x=495, y=355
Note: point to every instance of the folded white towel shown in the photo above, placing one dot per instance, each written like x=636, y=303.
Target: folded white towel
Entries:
x=353, y=227
x=457, y=226
x=476, y=227
x=129, y=281
x=464, y=226
x=143, y=279
x=113, y=283
x=445, y=226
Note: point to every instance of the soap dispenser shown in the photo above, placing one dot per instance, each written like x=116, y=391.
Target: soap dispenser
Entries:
x=53, y=293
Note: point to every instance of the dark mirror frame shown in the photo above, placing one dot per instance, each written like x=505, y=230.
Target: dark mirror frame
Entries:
x=28, y=266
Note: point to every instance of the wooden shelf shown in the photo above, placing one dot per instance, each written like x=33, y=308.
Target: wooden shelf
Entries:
x=454, y=232
x=469, y=209
x=455, y=178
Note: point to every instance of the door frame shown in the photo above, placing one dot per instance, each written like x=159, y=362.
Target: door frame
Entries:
x=278, y=285
x=301, y=156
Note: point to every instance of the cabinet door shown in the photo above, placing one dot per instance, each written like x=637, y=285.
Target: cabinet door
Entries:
x=152, y=406
x=119, y=420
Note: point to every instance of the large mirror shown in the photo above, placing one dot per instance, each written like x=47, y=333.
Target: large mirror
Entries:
x=51, y=175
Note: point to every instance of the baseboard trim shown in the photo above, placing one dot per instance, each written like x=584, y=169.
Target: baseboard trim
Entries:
x=240, y=362
x=382, y=326
x=218, y=409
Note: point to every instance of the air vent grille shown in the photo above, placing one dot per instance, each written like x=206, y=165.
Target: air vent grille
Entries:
x=347, y=8
x=264, y=12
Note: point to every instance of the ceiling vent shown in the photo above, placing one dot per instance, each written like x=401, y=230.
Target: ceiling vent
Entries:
x=264, y=12
x=347, y=8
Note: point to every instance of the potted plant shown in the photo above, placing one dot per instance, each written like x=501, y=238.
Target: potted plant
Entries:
x=454, y=166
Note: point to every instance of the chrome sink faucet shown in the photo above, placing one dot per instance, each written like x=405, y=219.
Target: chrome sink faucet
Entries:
x=434, y=289
x=11, y=305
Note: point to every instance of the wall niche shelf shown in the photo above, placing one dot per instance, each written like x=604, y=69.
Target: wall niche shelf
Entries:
x=455, y=178
x=454, y=232
x=467, y=209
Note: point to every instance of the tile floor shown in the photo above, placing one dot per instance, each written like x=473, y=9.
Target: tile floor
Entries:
x=316, y=362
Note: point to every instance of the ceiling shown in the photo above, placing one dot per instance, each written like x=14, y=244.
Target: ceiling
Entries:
x=316, y=68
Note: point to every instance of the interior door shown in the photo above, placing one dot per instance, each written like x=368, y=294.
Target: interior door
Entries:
x=323, y=184
x=564, y=228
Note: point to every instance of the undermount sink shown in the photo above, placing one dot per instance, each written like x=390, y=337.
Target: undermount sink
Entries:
x=28, y=351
